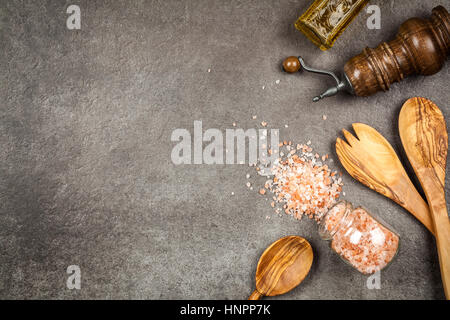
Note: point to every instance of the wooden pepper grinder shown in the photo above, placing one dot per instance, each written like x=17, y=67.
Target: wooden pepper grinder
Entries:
x=420, y=47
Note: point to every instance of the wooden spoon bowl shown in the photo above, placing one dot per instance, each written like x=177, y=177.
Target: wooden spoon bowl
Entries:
x=282, y=266
x=424, y=136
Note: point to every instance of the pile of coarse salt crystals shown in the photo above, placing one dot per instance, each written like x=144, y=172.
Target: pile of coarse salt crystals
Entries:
x=302, y=184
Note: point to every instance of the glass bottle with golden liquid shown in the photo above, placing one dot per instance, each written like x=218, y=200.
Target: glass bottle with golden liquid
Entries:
x=325, y=20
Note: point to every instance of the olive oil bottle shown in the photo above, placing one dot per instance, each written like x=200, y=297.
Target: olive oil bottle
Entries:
x=325, y=20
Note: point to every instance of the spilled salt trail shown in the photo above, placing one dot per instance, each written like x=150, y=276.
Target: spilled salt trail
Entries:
x=302, y=184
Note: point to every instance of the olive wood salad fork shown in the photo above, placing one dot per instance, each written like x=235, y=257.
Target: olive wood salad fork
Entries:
x=370, y=158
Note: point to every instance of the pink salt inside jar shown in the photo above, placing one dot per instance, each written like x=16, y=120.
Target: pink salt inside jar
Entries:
x=359, y=239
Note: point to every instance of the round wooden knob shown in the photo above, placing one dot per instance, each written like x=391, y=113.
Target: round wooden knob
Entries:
x=291, y=64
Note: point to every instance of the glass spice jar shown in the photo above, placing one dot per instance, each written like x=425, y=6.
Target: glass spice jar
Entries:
x=358, y=238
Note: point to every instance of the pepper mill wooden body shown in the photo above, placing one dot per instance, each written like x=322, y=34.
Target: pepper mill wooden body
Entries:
x=420, y=47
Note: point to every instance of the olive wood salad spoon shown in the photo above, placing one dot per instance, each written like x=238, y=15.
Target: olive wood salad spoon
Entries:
x=282, y=266
x=424, y=137
x=370, y=159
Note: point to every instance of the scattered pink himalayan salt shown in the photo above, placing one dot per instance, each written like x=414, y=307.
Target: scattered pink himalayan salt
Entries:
x=302, y=184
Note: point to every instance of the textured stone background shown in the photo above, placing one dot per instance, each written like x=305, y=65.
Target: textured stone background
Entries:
x=85, y=171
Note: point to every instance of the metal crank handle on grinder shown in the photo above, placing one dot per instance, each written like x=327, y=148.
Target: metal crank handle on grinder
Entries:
x=295, y=64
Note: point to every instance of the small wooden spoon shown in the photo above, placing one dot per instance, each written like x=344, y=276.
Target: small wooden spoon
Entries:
x=282, y=267
x=424, y=137
x=370, y=159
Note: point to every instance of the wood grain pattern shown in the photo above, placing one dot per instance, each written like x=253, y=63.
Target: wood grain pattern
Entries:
x=282, y=266
x=370, y=159
x=420, y=47
x=424, y=136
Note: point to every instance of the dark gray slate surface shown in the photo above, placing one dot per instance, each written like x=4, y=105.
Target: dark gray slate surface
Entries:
x=86, y=176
